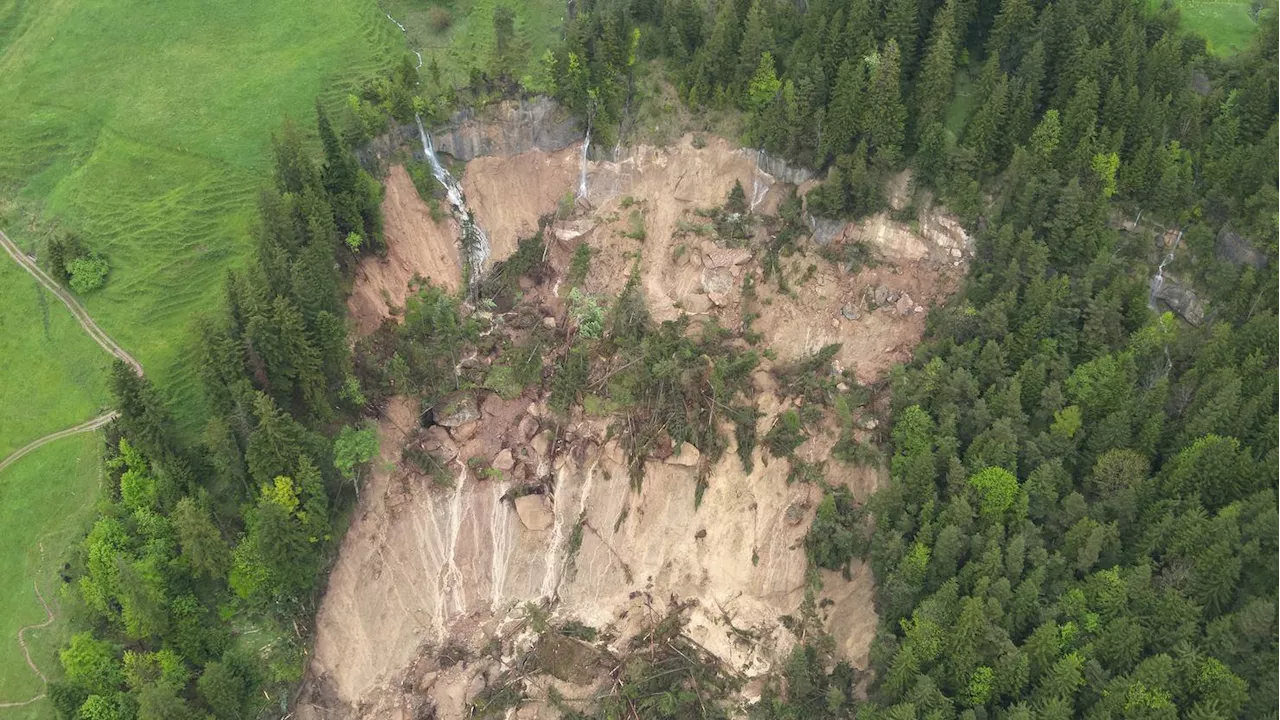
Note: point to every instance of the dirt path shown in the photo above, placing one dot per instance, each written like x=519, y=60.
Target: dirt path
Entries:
x=87, y=426
x=106, y=343
x=82, y=316
x=26, y=652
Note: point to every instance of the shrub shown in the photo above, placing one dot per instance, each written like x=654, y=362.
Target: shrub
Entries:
x=580, y=265
x=440, y=19
x=88, y=273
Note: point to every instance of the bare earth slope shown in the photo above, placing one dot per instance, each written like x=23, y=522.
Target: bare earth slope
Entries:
x=425, y=568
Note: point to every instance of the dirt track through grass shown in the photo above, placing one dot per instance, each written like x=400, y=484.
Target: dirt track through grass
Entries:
x=26, y=652
x=82, y=316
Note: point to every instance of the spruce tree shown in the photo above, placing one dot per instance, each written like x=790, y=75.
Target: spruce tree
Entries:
x=934, y=84
x=842, y=120
x=885, y=116
x=902, y=27
x=757, y=39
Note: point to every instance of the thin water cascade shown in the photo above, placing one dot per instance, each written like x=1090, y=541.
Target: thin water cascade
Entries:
x=406, y=34
x=758, y=189
x=1157, y=280
x=477, y=248
x=582, y=165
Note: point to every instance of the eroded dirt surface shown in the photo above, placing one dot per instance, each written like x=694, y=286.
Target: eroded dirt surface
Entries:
x=509, y=194
x=417, y=246
x=432, y=577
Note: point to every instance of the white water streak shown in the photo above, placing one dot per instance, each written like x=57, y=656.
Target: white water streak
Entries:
x=758, y=188
x=406, y=34
x=1157, y=280
x=582, y=165
x=479, y=252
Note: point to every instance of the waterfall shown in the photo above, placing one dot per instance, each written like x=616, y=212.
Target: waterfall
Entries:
x=1157, y=280
x=406, y=34
x=582, y=165
x=477, y=248
x=758, y=189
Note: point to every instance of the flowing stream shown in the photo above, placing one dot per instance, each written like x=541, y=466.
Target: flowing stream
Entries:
x=1157, y=280
x=476, y=241
x=582, y=165
x=477, y=245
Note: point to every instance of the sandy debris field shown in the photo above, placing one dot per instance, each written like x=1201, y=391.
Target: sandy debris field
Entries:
x=426, y=568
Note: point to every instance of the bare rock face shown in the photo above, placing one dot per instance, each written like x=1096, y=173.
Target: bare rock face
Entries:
x=512, y=128
x=1182, y=300
x=535, y=512
x=1234, y=249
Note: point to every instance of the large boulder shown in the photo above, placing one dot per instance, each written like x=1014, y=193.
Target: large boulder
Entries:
x=1182, y=300
x=457, y=410
x=1234, y=249
x=535, y=512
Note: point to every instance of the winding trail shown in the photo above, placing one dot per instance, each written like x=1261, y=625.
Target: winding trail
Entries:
x=82, y=316
x=88, y=426
x=22, y=641
x=113, y=348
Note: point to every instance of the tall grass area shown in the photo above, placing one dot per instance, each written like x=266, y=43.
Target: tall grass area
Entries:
x=459, y=35
x=46, y=499
x=52, y=376
x=1227, y=25
x=145, y=128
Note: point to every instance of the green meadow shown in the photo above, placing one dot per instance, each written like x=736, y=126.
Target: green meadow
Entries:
x=1227, y=25
x=52, y=375
x=46, y=500
x=145, y=128
x=459, y=34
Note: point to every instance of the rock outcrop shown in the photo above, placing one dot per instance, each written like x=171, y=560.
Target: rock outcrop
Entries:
x=509, y=128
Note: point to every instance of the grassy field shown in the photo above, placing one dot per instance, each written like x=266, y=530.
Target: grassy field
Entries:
x=467, y=39
x=46, y=500
x=145, y=127
x=1227, y=25
x=52, y=376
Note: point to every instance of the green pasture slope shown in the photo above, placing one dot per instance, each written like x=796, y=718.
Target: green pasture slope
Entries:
x=46, y=498
x=145, y=127
x=1227, y=25
x=52, y=375
x=466, y=40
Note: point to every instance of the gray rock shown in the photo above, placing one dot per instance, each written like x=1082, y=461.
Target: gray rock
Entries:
x=716, y=280
x=781, y=170
x=824, y=230
x=850, y=312
x=1182, y=300
x=1236, y=250
x=509, y=129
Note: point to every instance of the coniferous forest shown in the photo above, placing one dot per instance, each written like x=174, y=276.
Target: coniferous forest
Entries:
x=1081, y=519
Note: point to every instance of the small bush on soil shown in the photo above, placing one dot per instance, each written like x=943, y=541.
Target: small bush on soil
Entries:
x=838, y=533
x=786, y=435
x=635, y=224
x=579, y=265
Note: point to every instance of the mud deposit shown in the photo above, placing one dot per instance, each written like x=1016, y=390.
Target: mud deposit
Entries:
x=429, y=600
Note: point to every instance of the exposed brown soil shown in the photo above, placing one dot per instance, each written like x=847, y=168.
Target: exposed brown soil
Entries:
x=417, y=246
x=509, y=194
x=431, y=578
